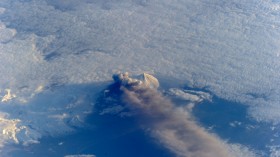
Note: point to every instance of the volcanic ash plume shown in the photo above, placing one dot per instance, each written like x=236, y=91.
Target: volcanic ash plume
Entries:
x=172, y=126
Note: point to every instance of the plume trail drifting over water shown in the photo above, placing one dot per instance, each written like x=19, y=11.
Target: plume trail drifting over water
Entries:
x=171, y=126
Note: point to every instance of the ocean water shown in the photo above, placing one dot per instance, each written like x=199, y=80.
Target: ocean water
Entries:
x=230, y=121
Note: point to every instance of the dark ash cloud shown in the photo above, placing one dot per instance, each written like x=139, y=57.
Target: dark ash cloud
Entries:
x=172, y=126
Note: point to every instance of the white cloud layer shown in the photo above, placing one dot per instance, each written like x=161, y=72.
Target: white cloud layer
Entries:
x=229, y=47
x=219, y=45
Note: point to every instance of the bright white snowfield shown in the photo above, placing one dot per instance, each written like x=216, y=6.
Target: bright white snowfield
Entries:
x=216, y=62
